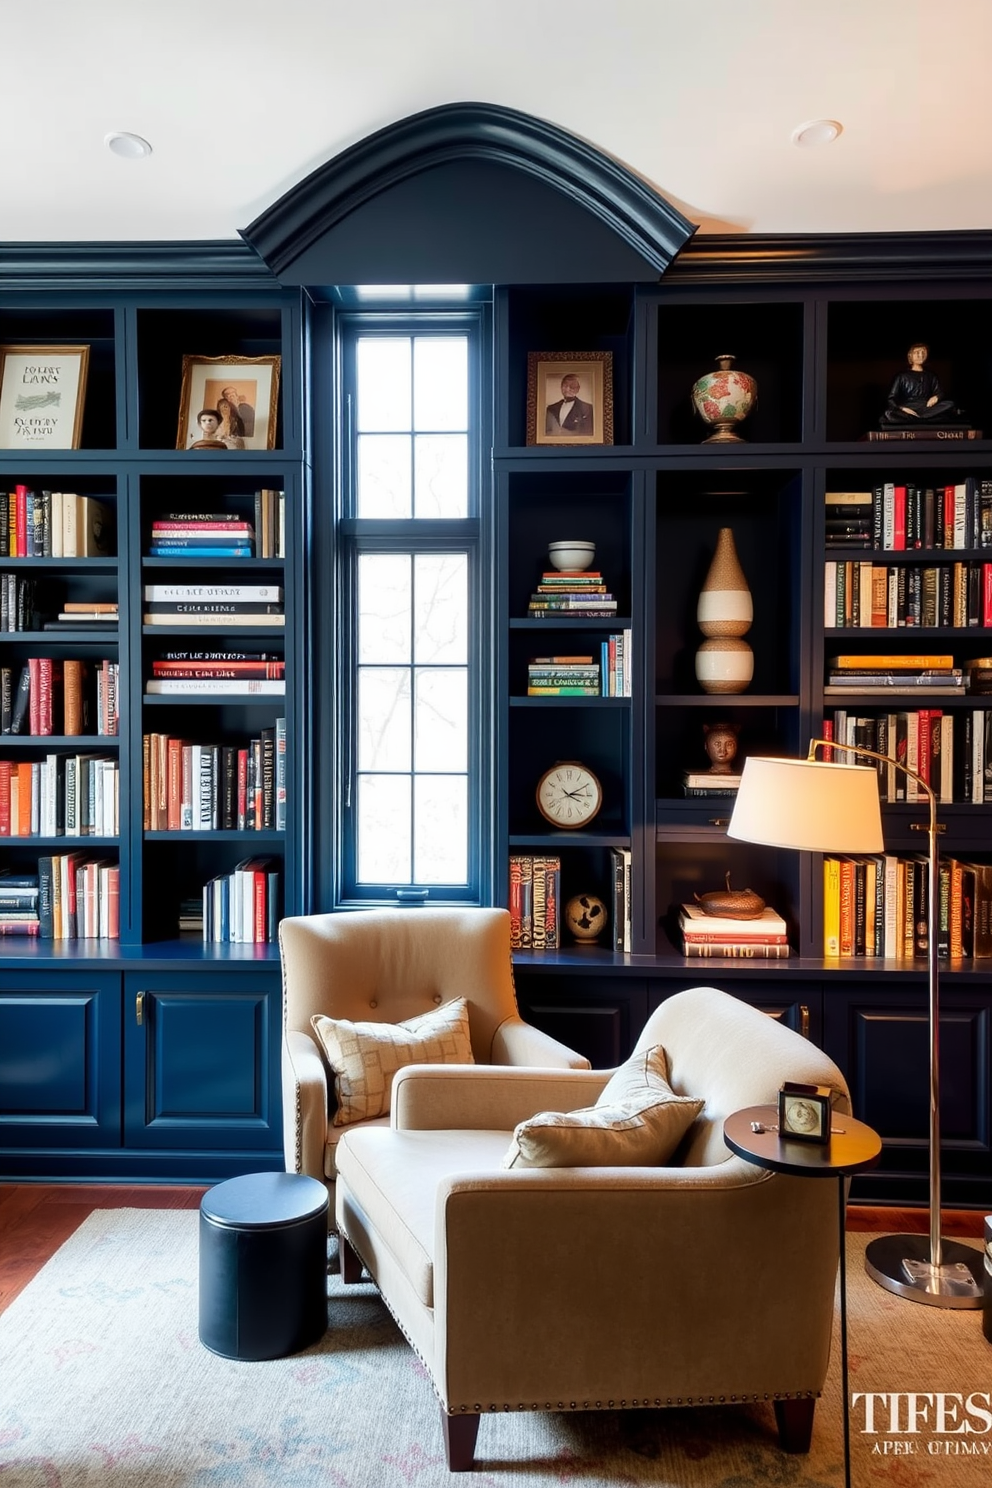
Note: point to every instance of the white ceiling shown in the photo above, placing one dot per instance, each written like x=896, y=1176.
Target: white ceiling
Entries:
x=242, y=100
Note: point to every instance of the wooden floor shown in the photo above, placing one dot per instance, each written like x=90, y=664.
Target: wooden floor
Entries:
x=36, y=1218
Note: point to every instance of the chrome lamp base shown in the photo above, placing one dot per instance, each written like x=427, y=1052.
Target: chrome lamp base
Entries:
x=902, y=1264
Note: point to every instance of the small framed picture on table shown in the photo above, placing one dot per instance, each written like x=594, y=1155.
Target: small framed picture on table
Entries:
x=228, y=403
x=570, y=397
x=42, y=390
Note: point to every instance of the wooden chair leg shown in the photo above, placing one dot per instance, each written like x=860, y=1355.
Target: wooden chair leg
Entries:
x=795, y=1424
x=460, y=1434
x=351, y=1265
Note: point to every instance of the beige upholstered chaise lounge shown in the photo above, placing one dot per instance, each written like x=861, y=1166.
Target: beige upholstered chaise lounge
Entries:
x=585, y=1288
x=383, y=966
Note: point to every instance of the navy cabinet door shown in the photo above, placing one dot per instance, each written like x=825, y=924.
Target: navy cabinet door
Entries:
x=879, y=1035
x=201, y=1061
x=60, y=1057
x=599, y=1017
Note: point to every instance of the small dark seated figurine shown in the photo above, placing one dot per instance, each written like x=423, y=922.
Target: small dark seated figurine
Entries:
x=915, y=395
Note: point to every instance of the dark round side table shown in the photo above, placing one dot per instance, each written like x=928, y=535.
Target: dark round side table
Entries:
x=263, y=1265
x=753, y=1135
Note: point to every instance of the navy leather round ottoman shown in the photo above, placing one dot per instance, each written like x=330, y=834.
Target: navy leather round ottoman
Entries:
x=263, y=1265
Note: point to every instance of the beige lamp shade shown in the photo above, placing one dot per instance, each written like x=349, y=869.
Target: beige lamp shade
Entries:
x=809, y=805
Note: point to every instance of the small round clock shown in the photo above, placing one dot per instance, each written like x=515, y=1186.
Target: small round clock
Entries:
x=569, y=795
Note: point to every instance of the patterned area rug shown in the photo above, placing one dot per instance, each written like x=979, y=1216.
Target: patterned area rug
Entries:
x=103, y=1380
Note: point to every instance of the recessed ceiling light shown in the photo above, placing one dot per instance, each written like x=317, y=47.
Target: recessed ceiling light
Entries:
x=816, y=132
x=127, y=146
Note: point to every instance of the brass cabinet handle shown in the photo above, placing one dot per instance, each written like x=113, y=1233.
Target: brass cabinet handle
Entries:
x=804, y=1020
x=139, y=1009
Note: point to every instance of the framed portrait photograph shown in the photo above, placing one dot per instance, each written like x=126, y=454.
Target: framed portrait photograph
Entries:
x=570, y=397
x=42, y=390
x=228, y=403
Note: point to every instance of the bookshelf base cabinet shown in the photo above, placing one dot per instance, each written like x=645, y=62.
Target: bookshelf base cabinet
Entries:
x=159, y=1075
x=876, y=1031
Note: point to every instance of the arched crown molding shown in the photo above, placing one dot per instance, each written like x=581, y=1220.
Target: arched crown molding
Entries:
x=293, y=228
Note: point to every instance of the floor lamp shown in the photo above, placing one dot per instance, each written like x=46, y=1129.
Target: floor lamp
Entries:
x=818, y=806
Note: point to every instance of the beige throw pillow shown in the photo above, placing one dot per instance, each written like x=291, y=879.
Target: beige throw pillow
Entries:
x=365, y=1056
x=638, y=1121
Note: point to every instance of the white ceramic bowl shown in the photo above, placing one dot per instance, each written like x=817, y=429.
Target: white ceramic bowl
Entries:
x=573, y=555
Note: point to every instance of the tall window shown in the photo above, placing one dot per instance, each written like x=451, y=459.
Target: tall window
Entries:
x=411, y=823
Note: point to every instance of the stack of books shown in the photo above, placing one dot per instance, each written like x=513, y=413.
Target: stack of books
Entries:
x=201, y=535
x=715, y=935
x=571, y=593
x=85, y=615
x=849, y=519
x=243, y=907
x=19, y=903
x=249, y=605
x=535, y=902
x=191, y=916
x=934, y=674
x=563, y=676
x=222, y=673
x=706, y=783
x=904, y=516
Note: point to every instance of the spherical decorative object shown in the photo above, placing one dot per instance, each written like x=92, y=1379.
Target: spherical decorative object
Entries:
x=723, y=398
x=586, y=918
x=575, y=556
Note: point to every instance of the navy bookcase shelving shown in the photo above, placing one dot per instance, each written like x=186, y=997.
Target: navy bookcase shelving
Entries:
x=156, y=1054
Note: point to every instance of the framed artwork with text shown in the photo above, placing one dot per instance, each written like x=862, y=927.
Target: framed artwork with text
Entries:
x=42, y=390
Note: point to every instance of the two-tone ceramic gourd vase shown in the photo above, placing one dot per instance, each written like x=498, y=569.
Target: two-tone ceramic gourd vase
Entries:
x=724, y=612
x=723, y=398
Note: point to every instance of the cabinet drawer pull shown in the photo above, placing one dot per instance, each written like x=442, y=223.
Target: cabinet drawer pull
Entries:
x=804, y=1020
x=139, y=1009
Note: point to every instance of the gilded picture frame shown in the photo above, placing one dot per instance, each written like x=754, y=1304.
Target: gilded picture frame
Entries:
x=241, y=392
x=569, y=397
x=42, y=393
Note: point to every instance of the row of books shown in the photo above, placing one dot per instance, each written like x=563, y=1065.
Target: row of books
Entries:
x=622, y=922
x=243, y=907
x=916, y=672
x=55, y=695
x=563, y=594
x=584, y=676
x=535, y=902
x=55, y=524
x=953, y=754
x=191, y=787
x=19, y=603
x=214, y=604
x=704, y=935
x=71, y=897
x=63, y=795
x=901, y=516
x=880, y=906
x=862, y=595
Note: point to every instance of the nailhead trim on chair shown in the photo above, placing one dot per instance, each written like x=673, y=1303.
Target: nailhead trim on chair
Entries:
x=477, y=1409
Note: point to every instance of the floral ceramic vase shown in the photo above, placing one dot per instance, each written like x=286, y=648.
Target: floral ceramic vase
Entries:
x=723, y=399
x=724, y=612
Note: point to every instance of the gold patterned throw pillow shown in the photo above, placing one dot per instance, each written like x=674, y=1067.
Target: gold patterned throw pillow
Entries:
x=365, y=1056
x=638, y=1121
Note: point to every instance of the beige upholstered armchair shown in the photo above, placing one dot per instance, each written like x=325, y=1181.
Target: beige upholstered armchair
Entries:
x=385, y=966
x=705, y=1279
